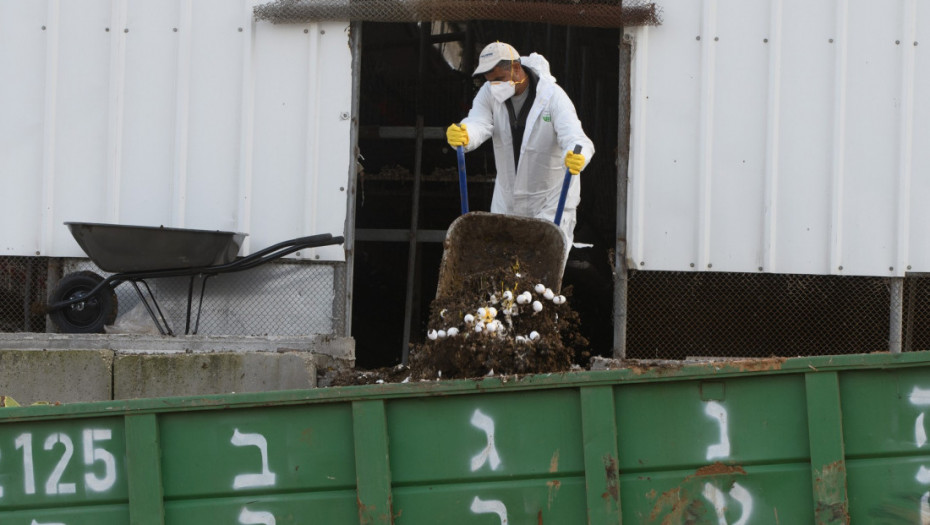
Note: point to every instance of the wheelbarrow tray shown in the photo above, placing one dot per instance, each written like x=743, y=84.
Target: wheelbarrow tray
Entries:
x=122, y=248
x=480, y=242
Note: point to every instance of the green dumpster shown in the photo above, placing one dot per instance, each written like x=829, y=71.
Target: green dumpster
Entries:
x=825, y=440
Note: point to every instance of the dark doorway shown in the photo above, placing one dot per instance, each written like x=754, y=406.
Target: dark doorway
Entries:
x=415, y=81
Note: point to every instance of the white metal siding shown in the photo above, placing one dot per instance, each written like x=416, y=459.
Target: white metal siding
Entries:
x=180, y=113
x=782, y=136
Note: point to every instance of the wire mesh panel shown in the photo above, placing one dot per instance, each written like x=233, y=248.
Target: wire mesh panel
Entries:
x=280, y=298
x=677, y=315
x=22, y=294
x=916, y=318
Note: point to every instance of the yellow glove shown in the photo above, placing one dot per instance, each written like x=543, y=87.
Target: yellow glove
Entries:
x=457, y=135
x=574, y=162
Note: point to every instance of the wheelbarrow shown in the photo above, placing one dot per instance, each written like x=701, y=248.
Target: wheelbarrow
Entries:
x=478, y=242
x=84, y=302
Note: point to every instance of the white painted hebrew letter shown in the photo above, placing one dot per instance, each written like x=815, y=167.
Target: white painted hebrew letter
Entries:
x=722, y=449
x=718, y=499
x=923, y=475
x=715, y=496
x=247, y=517
x=489, y=454
x=480, y=506
x=742, y=495
x=925, y=509
x=920, y=432
x=267, y=477
x=919, y=396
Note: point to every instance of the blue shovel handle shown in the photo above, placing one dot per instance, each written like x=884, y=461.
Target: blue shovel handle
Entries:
x=565, y=183
x=463, y=187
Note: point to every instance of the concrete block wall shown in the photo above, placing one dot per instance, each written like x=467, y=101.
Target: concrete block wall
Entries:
x=79, y=368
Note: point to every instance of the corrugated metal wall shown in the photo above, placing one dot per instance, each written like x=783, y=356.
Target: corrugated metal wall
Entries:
x=782, y=136
x=179, y=113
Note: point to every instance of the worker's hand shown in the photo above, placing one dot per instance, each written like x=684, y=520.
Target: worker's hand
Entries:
x=574, y=162
x=457, y=135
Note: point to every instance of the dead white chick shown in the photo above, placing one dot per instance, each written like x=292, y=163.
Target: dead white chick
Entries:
x=540, y=288
x=537, y=306
x=521, y=299
x=469, y=319
x=452, y=332
x=508, y=295
x=534, y=336
x=492, y=312
x=520, y=339
x=559, y=299
x=494, y=326
x=441, y=334
x=482, y=312
x=548, y=294
x=479, y=327
x=494, y=299
x=432, y=334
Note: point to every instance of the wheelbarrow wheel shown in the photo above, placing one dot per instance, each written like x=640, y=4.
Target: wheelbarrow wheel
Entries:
x=87, y=316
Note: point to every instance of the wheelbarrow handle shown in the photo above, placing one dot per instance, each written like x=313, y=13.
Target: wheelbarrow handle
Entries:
x=565, y=184
x=463, y=186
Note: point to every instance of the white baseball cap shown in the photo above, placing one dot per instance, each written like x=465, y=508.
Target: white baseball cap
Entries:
x=492, y=54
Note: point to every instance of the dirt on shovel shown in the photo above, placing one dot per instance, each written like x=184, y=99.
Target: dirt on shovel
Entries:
x=501, y=321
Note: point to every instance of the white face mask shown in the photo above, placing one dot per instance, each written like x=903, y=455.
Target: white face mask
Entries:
x=501, y=91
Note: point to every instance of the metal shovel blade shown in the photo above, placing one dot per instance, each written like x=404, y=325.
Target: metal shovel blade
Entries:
x=479, y=242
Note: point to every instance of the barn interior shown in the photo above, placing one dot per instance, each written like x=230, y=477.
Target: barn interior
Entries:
x=415, y=81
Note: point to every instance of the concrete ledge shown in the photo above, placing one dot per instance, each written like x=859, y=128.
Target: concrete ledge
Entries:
x=152, y=375
x=331, y=351
x=95, y=367
x=65, y=376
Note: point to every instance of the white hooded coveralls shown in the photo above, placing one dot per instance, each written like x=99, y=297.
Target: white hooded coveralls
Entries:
x=552, y=129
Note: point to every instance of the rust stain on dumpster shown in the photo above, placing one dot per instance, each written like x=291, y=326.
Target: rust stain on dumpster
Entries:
x=717, y=469
x=613, y=481
x=554, y=463
x=554, y=487
x=830, y=488
x=759, y=365
x=675, y=507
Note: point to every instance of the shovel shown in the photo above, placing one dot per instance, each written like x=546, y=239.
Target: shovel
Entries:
x=479, y=242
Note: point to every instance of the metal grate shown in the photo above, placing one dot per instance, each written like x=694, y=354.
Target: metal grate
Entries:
x=677, y=315
x=22, y=294
x=280, y=298
x=670, y=315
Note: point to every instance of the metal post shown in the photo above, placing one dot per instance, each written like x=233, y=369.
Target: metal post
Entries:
x=356, y=47
x=897, y=315
x=27, y=297
x=623, y=161
x=415, y=208
x=51, y=282
x=911, y=286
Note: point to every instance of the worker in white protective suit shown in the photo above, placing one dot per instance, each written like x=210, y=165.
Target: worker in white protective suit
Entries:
x=534, y=128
